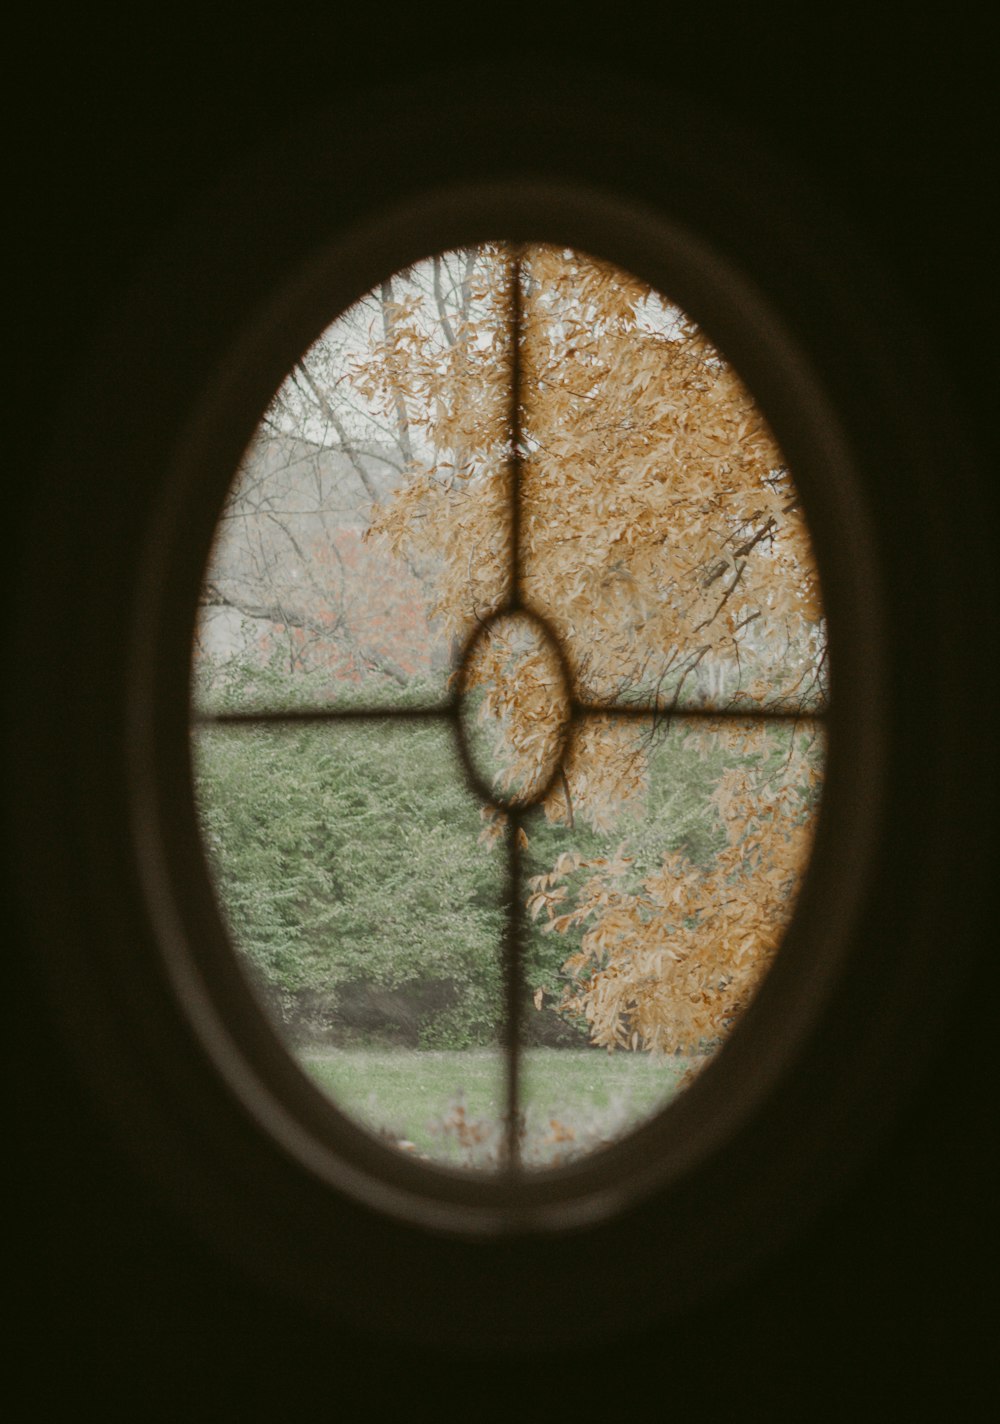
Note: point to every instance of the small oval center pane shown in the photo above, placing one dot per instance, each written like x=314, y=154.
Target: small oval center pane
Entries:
x=515, y=710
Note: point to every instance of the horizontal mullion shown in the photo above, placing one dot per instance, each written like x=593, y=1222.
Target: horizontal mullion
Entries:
x=312, y=715
x=449, y=710
x=701, y=714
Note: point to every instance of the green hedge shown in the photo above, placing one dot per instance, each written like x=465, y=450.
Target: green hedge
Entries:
x=348, y=865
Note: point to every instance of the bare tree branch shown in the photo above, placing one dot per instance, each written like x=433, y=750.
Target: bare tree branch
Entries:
x=399, y=404
x=335, y=421
x=213, y=597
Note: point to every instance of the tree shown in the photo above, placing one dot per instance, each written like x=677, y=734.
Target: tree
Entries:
x=659, y=525
x=661, y=540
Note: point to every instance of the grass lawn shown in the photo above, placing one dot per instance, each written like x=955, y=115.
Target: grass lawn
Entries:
x=449, y=1105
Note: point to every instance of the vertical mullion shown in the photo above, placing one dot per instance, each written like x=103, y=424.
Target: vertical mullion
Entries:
x=515, y=300
x=513, y=980
x=512, y=944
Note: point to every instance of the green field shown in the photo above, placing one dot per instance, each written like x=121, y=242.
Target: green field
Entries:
x=447, y=1105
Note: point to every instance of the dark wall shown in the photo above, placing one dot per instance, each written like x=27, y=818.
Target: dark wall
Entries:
x=883, y=1302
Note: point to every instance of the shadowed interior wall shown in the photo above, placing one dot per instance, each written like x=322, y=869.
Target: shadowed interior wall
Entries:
x=884, y=1299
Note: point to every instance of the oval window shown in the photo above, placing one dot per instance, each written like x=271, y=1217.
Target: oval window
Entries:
x=510, y=681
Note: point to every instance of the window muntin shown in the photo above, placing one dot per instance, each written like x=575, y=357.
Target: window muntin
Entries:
x=652, y=691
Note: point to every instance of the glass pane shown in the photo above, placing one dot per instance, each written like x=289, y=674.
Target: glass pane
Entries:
x=347, y=864
x=662, y=530
x=340, y=572
x=515, y=709
x=655, y=907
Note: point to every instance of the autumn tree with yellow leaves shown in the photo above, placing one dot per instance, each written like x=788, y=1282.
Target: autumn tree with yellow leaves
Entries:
x=661, y=541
